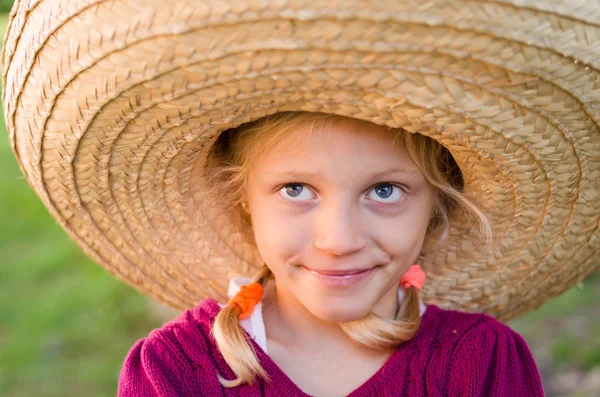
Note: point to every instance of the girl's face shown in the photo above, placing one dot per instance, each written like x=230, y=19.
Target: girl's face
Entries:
x=342, y=200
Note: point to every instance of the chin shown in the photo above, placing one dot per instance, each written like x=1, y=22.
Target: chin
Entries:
x=338, y=314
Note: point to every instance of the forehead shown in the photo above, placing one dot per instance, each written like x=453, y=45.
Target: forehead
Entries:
x=343, y=145
x=336, y=129
x=346, y=135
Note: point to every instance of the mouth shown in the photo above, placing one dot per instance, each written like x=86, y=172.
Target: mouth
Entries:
x=340, y=273
x=341, y=278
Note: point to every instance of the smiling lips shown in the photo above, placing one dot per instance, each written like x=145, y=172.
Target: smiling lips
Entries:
x=341, y=278
x=339, y=272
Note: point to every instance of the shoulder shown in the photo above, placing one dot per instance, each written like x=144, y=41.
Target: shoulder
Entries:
x=458, y=327
x=485, y=354
x=170, y=360
x=187, y=335
x=463, y=332
x=455, y=327
x=451, y=329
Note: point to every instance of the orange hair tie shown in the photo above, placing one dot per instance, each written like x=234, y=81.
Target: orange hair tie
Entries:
x=247, y=297
x=414, y=277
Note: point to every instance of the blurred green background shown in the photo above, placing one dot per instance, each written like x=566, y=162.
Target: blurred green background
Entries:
x=66, y=324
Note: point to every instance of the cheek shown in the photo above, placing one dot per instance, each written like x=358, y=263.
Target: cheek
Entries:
x=403, y=236
x=402, y=245
x=278, y=237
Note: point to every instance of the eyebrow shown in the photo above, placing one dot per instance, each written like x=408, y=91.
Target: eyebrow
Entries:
x=379, y=174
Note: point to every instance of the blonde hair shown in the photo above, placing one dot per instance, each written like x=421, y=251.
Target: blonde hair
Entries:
x=229, y=164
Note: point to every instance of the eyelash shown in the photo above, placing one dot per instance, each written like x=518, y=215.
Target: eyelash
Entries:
x=402, y=188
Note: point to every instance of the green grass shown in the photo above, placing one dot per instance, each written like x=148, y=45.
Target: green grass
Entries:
x=66, y=324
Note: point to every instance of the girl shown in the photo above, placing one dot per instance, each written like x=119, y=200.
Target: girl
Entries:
x=340, y=209
x=397, y=178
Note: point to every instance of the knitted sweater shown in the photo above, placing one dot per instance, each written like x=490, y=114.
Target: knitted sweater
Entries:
x=453, y=354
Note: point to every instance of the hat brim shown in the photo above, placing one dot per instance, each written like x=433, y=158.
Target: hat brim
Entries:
x=112, y=108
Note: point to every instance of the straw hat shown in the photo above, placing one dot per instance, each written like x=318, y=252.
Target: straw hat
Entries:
x=112, y=107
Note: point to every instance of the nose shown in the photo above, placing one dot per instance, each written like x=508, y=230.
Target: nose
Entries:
x=338, y=230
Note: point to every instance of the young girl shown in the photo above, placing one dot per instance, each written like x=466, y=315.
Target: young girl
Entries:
x=340, y=211
x=381, y=184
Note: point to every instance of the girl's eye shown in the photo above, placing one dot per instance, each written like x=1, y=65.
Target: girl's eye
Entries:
x=295, y=192
x=386, y=193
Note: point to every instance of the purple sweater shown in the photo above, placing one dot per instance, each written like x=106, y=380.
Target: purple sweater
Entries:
x=453, y=354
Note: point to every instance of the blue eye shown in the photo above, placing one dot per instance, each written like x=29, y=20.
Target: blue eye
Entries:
x=293, y=191
x=387, y=191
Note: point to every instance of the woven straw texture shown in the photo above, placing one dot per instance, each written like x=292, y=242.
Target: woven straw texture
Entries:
x=111, y=107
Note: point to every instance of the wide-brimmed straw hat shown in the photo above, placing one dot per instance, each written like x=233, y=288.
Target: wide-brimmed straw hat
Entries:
x=112, y=108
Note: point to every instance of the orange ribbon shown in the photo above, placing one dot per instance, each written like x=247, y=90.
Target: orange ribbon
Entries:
x=414, y=277
x=247, y=297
